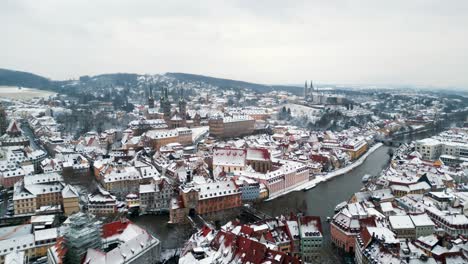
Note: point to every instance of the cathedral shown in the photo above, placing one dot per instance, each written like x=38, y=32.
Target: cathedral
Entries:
x=309, y=92
x=174, y=119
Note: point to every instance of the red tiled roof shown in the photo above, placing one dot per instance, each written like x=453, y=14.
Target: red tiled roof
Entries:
x=307, y=219
x=114, y=228
x=365, y=236
x=205, y=230
x=223, y=237
x=369, y=221
x=246, y=230
x=249, y=251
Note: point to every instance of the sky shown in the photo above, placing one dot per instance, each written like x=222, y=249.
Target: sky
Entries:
x=417, y=42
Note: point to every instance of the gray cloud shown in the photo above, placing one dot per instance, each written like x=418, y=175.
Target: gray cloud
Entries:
x=369, y=41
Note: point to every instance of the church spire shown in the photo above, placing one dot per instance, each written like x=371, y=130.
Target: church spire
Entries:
x=150, y=97
x=306, y=92
x=181, y=92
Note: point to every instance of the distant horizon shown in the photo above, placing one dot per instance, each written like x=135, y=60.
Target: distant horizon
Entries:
x=371, y=42
x=348, y=85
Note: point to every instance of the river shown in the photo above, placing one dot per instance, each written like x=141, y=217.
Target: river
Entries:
x=319, y=201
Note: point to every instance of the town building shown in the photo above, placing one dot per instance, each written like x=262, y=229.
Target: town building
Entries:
x=124, y=242
x=14, y=136
x=229, y=159
x=423, y=225
x=228, y=127
x=102, y=202
x=272, y=240
x=158, y=138
x=155, y=197
x=311, y=235
x=206, y=198
x=36, y=191
x=250, y=189
x=71, y=200
x=402, y=226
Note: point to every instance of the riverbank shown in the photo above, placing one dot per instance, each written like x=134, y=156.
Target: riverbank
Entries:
x=318, y=179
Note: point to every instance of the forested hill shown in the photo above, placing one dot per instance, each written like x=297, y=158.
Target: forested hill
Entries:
x=229, y=84
x=23, y=79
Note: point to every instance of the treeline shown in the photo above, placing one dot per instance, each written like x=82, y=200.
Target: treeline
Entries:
x=24, y=79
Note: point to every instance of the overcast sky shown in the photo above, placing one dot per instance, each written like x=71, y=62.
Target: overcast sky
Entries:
x=422, y=42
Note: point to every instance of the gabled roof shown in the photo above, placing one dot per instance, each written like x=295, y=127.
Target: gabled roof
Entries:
x=13, y=127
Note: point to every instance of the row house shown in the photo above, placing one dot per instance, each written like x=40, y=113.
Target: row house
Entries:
x=12, y=173
x=288, y=239
x=36, y=191
x=122, y=180
x=355, y=147
x=453, y=224
x=156, y=196
x=288, y=176
x=155, y=139
x=346, y=225
x=235, y=126
x=249, y=188
x=217, y=196
x=71, y=200
x=229, y=159
x=204, y=199
x=24, y=242
x=25, y=156
x=102, y=202
x=311, y=235
x=139, y=127
x=76, y=167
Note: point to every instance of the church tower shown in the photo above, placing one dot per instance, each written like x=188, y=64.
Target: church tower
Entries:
x=305, y=91
x=311, y=90
x=3, y=120
x=165, y=104
x=182, y=104
x=150, y=97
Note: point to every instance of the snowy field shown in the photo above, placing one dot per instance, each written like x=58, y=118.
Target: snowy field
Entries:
x=301, y=110
x=12, y=92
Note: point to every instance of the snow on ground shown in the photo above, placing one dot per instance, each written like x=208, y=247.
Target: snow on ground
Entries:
x=198, y=132
x=12, y=92
x=301, y=110
x=318, y=179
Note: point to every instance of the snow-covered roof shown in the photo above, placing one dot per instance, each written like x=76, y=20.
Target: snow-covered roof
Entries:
x=422, y=220
x=401, y=222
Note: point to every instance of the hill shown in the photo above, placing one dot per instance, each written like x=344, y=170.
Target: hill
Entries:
x=231, y=84
x=24, y=79
x=86, y=83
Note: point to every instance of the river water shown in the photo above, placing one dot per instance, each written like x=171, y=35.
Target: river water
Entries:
x=319, y=201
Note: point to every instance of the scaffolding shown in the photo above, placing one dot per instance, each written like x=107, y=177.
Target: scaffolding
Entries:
x=83, y=233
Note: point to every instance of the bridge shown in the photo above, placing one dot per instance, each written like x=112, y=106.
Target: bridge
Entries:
x=391, y=142
x=254, y=213
x=198, y=222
